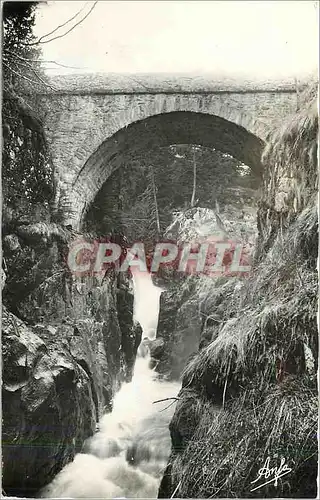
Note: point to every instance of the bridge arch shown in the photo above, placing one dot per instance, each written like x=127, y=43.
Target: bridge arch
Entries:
x=178, y=127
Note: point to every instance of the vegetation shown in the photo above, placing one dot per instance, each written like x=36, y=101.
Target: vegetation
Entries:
x=20, y=54
x=291, y=180
x=230, y=446
x=279, y=301
x=27, y=175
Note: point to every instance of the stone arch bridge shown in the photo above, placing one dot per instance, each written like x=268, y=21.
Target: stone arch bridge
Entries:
x=93, y=122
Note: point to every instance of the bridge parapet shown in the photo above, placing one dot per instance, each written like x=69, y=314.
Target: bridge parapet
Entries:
x=111, y=83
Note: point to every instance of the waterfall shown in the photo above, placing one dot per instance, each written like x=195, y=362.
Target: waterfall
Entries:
x=127, y=456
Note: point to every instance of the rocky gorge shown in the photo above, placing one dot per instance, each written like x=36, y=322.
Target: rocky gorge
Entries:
x=235, y=355
x=68, y=345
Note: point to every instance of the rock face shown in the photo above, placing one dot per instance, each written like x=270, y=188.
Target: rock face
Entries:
x=67, y=348
x=187, y=315
x=49, y=404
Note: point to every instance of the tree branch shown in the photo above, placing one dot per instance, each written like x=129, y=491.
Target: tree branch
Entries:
x=28, y=65
x=19, y=75
x=13, y=54
x=67, y=32
x=165, y=399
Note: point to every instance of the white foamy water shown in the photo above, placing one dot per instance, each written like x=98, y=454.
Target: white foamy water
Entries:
x=146, y=302
x=127, y=456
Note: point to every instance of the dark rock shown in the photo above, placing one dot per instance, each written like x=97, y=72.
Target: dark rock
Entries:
x=169, y=301
x=186, y=335
x=156, y=347
x=153, y=363
x=185, y=419
x=184, y=422
x=48, y=408
x=166, y=487
x=130, y=334
x=179, y=328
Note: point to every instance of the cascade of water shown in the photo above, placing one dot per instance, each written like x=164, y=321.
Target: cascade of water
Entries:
x=127, y=456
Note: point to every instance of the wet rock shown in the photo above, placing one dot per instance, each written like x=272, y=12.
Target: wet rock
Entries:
x=182, y=426
x=166, y=488
x=153, y=363
x=143, y=349
x=156, y=347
